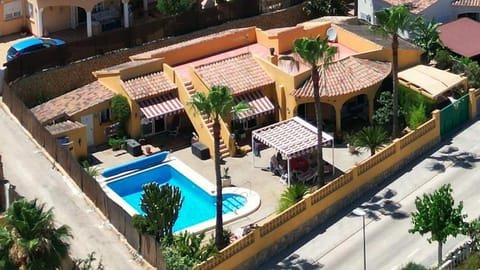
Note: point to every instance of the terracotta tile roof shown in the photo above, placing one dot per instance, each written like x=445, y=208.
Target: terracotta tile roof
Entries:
x=466, y=3
x=240, y=73
x=64, y=126
x=347, y=76
x=148, y=85
x=73, y=102
x=458, y=36
x=414, y=6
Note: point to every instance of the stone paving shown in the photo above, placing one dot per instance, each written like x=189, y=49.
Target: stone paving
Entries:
x=243, y=173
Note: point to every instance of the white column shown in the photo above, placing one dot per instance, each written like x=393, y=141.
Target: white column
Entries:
x=73, y=17
x=40, y=22
x=89, y=23
x=145, y=5
x=125, y=13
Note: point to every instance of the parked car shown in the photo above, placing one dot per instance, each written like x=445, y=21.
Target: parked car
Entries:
x=28, y=45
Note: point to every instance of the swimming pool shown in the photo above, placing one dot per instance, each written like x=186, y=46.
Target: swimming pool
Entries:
x=198, y=209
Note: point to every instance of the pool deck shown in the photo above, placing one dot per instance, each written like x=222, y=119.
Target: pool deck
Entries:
x=243, y=174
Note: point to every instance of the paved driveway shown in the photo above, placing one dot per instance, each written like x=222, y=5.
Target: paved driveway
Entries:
x=27, y=167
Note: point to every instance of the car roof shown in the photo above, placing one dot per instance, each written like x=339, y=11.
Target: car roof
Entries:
x=27, y=43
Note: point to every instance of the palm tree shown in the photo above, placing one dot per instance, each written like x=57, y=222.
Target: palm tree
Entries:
x=30, y=240
x=391, y=21
x=312, y=51
x=217, y=104
x=292, y=195
x=427, y=37
x=373, y=138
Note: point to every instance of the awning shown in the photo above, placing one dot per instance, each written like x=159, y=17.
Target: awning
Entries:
x=160, y=106
x=259, y=105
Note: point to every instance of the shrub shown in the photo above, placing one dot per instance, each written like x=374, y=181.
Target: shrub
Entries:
x=444, y=59
x=172, y=7
x=292, y=195
x=414, y=266
x=416, y=116
x=120, y=111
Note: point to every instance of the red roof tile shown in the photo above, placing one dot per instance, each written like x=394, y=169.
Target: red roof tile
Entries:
x=414, y=6
x=148, y=85
x=240, y=73
x=72, y=102
x=466, y=3
x=347, y=76
x=461, y=36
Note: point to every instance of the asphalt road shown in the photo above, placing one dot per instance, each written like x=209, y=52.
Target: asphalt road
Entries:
x=339, y=245
x=27, y=167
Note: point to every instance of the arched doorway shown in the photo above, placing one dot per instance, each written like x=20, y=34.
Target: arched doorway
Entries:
x=354, y=113
x=306, y=111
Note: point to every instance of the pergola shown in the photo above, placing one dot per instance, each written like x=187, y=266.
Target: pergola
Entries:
x=431, y=82
x=292, y=138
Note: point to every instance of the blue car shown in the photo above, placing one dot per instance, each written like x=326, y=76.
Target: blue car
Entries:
x=31, y=44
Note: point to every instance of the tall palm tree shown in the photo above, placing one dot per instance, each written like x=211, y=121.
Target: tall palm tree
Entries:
x=390, y=22
x=312, y=51
x=30, y=240
x=373, y=138
x=217, y=104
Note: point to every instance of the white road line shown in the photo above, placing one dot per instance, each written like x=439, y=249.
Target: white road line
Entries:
x=413, y=253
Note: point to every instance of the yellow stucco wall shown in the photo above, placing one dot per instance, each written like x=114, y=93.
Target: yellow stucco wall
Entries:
x=200, y=49
x=314, y=204
x=12, y=25
x=78, y=137
x=99, y=136
x=56, y=18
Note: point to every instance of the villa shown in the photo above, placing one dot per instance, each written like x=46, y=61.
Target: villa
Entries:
x=159, y=84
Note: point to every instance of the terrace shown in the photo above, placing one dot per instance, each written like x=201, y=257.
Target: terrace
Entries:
x=244, y=172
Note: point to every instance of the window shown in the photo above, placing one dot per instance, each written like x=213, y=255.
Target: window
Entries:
x=105, y=116
x=98, y=7
x=250, y=124
x=12, y=10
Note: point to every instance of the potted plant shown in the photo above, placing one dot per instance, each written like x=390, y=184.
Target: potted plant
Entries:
x=351, y=141
x=116, y=142
x=226, y=179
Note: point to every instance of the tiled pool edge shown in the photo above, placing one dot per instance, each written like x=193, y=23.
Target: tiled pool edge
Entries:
x=251, y=205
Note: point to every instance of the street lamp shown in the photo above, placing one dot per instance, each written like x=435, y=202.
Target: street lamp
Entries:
x=360, y=212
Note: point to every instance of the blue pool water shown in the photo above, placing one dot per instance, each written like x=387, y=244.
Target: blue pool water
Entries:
x=198, y=206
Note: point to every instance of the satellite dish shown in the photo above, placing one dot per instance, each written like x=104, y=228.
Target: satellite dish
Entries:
x=332, y=34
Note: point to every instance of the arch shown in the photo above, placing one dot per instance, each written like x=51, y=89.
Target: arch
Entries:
x=355, y=113
x=306, y=111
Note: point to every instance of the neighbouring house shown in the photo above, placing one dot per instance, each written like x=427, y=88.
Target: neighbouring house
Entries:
x=258, y=67
x=462, y=37
x=82, y=115
x=433, y=10
x=41, y=17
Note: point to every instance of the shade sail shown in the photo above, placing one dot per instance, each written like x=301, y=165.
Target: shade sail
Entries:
x=292, y=138
x=259, y=105
x=160, y=106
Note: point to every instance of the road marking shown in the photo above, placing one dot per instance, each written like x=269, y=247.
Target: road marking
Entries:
x=413, y=253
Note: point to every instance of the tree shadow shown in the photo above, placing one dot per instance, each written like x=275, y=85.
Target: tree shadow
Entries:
x=452, y=154
x=382, y=204
x=295, y=262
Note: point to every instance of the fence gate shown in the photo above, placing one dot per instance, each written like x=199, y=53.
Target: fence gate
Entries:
x=454, y=115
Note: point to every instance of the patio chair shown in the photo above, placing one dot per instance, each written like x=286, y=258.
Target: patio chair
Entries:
x=307, y=176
